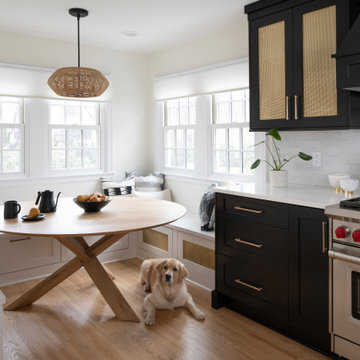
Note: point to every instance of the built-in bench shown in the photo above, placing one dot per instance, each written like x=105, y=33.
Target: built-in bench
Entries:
x=2, y=302
x=190, y=223
x=184, y=241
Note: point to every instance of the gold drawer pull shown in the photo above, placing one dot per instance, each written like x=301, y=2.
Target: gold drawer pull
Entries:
x=248, y=210
x=238, y=281
x=21, y=239
x=258, y=246
x=287, y=116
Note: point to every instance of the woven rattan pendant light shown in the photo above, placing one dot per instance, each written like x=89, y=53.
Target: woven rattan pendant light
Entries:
x=78, y=81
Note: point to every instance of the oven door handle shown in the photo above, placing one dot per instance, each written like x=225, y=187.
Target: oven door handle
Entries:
x=344, y=257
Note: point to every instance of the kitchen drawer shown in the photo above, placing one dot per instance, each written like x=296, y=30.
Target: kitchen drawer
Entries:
x=122, y=243
x=256, y=243
x=20, y=252
x=263, y=294
x=263, y=212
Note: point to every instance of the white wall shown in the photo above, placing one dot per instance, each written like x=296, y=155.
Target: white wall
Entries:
x=130, y=93
x=226, y=45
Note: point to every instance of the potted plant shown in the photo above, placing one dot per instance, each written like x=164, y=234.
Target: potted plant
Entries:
x=278, y=176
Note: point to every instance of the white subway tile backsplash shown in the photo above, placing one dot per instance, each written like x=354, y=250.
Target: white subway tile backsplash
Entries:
x=340, y=152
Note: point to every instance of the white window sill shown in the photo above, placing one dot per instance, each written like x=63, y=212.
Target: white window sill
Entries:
x=221, y=180
x=23, y=180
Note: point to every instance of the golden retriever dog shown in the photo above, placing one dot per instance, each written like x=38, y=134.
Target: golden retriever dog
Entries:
x=165, y=279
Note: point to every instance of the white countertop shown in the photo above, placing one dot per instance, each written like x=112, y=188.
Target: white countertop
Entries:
x=303, y=195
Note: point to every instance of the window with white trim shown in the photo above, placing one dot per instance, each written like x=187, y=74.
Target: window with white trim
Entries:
x=207, y=136
x=179, y=133
x=74, y=135
x=12, y=136
x=232, y=143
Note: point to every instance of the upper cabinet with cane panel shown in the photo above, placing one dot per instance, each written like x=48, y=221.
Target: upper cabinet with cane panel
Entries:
x=293, y=76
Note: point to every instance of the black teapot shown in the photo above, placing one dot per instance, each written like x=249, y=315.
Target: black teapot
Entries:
x=47, y=203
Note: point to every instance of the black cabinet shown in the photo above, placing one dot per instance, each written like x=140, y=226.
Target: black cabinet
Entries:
x=272, y=265
x=293, y=76
x=309, y=276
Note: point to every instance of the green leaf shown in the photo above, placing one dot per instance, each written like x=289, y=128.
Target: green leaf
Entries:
x=255, y=164
x=275, y=134
x=304, y=156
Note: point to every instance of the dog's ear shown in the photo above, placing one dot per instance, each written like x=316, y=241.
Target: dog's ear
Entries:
x=183, y=273
x=160, y=265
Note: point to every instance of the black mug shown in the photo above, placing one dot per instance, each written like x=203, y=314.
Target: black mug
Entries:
x=11, y=209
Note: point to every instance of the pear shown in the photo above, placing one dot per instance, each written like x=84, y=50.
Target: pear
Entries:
x=33, y=213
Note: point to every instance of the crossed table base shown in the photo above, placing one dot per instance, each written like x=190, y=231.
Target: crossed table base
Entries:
x=86, y=256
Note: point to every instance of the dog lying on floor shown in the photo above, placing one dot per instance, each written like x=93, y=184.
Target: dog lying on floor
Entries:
x=165, y=279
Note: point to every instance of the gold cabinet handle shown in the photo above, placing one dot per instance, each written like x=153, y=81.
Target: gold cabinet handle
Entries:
x=248, y=210
x=287, y=116
x=324, y=248
x=238, y=281
x=296, y=100
x=21, y=239
x=258, y=246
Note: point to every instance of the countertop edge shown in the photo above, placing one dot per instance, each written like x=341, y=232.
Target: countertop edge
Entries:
x=279, y=199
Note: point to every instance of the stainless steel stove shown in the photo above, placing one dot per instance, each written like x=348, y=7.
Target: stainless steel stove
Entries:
x=344, y=262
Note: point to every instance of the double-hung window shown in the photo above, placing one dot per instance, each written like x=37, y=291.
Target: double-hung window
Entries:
x=74, y=135
x=202, y=124
x=12, y=136
x=207, y=136
x=232, y=143
x=179, y=133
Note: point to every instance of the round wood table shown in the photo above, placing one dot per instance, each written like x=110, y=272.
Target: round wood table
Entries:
x=69, y=224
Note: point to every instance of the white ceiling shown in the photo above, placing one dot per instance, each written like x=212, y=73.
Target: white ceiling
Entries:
x=160, y=23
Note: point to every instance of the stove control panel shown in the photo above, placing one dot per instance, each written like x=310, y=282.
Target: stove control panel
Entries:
x=346, y=231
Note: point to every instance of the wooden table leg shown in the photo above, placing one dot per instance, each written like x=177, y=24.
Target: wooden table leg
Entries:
x=86, y=256
x=108, y=289
x=46, y=285
x=85, y=245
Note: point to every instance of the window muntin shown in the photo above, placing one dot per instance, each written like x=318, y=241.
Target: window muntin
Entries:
x=12, y=134
x=179, y=133
x=74, y=134
x=233, y=150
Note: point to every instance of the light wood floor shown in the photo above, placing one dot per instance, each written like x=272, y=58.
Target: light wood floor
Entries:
x=74, y=322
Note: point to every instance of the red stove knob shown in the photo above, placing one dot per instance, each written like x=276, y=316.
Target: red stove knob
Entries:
x=342, y=232
x=356, y=236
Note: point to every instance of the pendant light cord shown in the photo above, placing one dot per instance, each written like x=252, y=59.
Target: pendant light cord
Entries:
x=78, y=31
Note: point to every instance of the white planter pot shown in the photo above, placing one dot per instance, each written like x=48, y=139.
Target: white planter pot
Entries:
x=279, y=178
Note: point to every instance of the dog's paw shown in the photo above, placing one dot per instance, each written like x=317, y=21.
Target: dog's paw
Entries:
x=149, y=320
x=199, y=315
x=147, y=287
